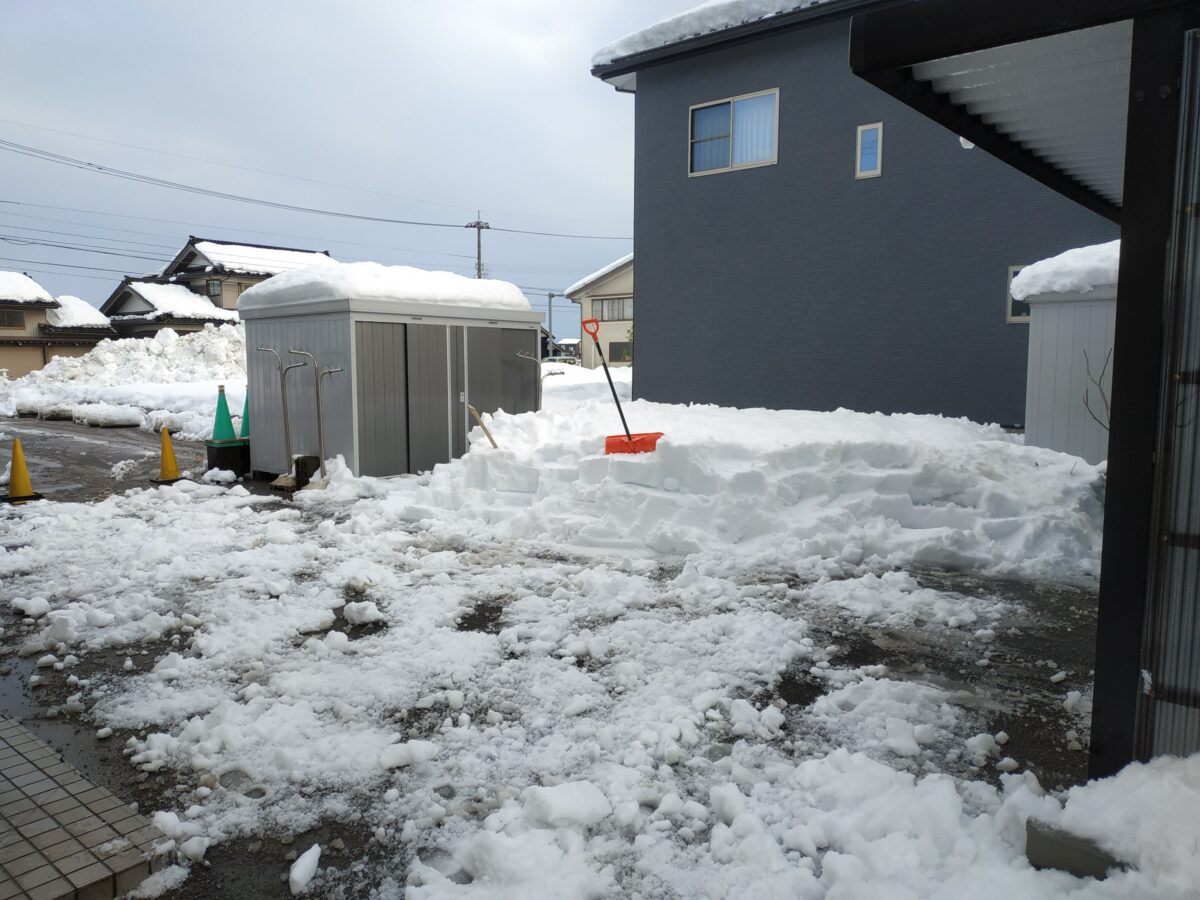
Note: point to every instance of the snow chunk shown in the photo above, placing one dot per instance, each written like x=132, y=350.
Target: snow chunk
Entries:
x=372, y=281
x=362, y=613
x=1081, y=270
x=303, y=869
x=34, y=607
x=194, y=848
x=407, y=754
x=578, y=804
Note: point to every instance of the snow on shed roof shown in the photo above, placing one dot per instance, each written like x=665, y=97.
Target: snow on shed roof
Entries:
x=372, y=281
x=598, y=274
x=1077, y=271
x=16, y=287
x=707, y=18
x=73, y=312
x=251, y=260
x=177, y=301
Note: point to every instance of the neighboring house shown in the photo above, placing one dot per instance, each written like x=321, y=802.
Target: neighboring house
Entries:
x=793, y=227
x=607, y=295
x=35, y=328
x=569, y=347
x=214, y=272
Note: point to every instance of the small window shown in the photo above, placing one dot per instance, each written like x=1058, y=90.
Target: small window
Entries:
x=616, y=309
x=1015, y=310
x=620, y=351
x=214, y=287
x=12, y=318
x=734, y=134
x=869, y=155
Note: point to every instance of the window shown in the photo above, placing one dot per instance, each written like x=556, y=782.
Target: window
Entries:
x=869, y=155
x=620, y=351
x=733, y=134
x=617, y=309
x=214, y=287
x=1015, y=310
x=12, y=318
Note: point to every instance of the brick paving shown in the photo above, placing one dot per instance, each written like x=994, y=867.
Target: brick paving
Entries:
x=62, y=837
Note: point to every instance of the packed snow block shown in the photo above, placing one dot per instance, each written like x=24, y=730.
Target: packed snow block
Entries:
x=405, y=352
x=575, y=804
x=1047, y=847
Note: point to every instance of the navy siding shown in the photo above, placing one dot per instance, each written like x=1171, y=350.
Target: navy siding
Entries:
x=798, y=286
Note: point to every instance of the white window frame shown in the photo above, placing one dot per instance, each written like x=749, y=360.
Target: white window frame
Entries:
x=1009, y=300
x=733, y=167
x=859, y=172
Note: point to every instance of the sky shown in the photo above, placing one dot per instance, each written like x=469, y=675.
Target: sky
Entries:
x=398, y=109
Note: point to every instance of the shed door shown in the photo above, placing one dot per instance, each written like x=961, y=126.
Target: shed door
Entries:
x=430, y=425
x=497, y=377
x=382, y=379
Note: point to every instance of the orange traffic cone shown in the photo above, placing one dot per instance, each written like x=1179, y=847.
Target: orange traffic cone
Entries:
x=19, y=488
x=168, y=470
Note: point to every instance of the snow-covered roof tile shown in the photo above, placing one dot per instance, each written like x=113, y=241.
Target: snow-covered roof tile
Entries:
x=16, y=287
x=707, y=18
x=372, y=281
x=177, y=301
x=1077, y=271
x=598, y=274
x=73, y=312
x=250, y=260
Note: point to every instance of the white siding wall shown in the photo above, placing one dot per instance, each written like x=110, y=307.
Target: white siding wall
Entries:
x=1061, y=328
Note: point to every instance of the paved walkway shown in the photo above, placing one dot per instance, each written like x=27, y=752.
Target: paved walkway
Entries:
x=61, y=837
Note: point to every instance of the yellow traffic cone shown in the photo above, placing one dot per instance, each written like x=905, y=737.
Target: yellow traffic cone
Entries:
x=19, y=488
x=168, y=470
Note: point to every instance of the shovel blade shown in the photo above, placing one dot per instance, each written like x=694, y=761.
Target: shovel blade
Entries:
x=637, y=443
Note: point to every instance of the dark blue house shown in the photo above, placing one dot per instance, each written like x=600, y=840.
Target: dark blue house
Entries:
x=806, y=241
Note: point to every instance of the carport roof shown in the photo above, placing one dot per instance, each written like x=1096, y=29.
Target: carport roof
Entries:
x=1044, y=86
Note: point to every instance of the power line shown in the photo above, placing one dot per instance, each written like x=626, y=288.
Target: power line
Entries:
x=46, y=262
x=59, y=245
x=85, y=165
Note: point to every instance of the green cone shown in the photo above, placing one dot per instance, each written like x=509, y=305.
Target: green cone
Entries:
x=245, y=431
x=223, y=425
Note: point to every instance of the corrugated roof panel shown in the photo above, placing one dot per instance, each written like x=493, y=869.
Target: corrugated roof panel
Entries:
x=1061, y=97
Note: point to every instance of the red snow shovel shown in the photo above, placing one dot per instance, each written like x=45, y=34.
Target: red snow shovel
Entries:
x=620, y=443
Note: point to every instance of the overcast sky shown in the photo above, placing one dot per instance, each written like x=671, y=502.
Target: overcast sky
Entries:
x=403, y=109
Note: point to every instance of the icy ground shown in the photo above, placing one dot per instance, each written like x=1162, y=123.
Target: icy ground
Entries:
x=540, y=672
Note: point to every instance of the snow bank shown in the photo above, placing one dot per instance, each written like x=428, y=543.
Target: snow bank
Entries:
x=73, y=312
x=20, y=288
x=565, y=385
x=148, y=382
x=259, y=260
x=716, y=15
x=1076, y=271
x=373, y=281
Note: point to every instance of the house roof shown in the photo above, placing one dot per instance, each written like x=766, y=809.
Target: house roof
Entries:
x=1082, y=270
x=701, y=28
x=232, y=257
x=17, y=287
x=74, y=314
x=584, y=283
x=165, y=300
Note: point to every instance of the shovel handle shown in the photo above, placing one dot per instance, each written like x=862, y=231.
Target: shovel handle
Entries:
x=592, y=327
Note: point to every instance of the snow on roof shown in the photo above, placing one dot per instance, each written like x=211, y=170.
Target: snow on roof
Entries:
x=1077, y=271
x=568, y=342
x=597, y=275
x=75, y=313
x=707, y=18
x=372, y=281
x=177, y=301
x=252, y=260
x=16, y=287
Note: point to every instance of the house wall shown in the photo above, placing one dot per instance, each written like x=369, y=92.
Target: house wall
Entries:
x=34, y=316
x=20, y=360
x=797, y=286
x=618, y=284
x=70, y=351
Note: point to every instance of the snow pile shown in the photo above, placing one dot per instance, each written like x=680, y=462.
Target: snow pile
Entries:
x=1076, y=271
x=16, y=287
x=707, y=18
x=595, y=276
x=565, y=385
x=73, y=312
x=259, y=260
x=176, y=301
x=373, y=281
x=148, y=382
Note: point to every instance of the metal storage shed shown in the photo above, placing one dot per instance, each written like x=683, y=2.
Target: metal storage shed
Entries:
x=408, y=366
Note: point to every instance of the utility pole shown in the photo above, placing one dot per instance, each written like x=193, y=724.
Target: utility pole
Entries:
x=550, y=323
x=478, y=226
